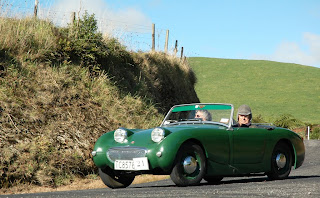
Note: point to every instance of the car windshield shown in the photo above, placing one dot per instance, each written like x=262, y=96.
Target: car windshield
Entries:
x=200, y=113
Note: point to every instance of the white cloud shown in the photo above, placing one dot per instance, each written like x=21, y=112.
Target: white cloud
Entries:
x=292, y=52
x=109, y=20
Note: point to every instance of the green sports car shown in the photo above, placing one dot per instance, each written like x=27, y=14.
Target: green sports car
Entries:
x=190, y=147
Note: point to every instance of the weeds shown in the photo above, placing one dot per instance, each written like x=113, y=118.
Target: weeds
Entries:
x=26, y=38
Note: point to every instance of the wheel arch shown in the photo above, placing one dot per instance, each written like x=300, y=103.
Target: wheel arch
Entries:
x=195, y=141
x=292, y=149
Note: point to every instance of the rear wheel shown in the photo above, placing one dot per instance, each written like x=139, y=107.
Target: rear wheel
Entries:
x=189, y=166
x=281, y=162
x=113, y=180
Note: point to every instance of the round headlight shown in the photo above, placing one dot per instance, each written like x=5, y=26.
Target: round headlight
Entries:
x=120, y=135
x=157, y=134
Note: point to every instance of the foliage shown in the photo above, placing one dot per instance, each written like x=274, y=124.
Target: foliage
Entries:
x=315, y=133
x=258, y=119
x=156, y=77
x=288, y=121
x=81, y=42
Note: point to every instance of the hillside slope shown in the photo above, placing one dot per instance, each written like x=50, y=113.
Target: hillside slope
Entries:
x=62, y=88
x=270, y=88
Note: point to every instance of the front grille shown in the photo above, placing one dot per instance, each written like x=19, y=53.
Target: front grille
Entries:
x=126, y=153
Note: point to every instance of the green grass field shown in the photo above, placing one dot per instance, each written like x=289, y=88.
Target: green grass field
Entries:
x=269, y=88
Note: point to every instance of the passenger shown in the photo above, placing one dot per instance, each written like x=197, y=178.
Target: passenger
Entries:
x=204, y=115
x=244, y=116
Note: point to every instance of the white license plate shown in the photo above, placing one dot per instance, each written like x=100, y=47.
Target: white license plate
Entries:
x=140, y=163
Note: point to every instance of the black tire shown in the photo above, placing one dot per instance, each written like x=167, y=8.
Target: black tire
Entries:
x=191, y=173
x=213, y=179
x=281, y=168
x=113, y=180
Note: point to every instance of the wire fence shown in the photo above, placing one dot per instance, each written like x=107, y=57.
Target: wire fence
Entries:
x=136, y=37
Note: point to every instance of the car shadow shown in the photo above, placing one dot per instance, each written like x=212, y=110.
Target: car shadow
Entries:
x=259, y=179
x=229, y=181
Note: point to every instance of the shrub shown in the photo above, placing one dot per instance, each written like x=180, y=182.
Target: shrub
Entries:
x=82, y=43
x=315, y=133
x=258, y=119
x=288, y=121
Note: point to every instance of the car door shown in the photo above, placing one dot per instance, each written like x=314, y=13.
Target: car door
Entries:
x=249, y=145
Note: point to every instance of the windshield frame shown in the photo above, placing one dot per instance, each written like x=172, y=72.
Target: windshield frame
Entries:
x=186, y=106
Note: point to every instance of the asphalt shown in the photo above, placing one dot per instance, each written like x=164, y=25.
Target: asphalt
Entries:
x=302, y=182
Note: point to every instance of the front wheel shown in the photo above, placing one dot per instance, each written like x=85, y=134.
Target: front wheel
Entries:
x=281, y=162
x=113, y=180
x=189, y=166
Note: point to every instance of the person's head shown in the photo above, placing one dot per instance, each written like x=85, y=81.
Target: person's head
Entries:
x=204, y=115
x=244, y=115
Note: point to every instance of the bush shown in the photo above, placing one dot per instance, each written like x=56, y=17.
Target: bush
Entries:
x=315, y=133
x=82, y=43
x=288, y=121
x=258, y=119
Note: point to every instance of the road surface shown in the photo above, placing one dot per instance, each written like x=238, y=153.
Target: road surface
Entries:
x=302, y=182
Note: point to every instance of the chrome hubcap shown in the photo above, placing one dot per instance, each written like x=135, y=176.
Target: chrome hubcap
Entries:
x=189, y=164
x=281, y=160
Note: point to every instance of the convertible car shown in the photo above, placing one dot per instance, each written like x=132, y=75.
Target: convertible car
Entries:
x=190, y=148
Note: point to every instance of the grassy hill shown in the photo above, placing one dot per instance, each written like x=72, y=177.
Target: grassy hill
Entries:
x=270, y=88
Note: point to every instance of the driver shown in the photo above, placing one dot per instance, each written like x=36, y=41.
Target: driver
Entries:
x=204, y=115
x=244, y=116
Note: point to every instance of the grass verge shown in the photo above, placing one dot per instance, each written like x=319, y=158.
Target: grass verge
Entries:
x=77, y=184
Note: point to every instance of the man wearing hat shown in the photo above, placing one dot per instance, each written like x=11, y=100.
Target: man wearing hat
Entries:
x=244, y=116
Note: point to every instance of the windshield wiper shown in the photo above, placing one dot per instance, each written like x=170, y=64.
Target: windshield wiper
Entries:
x=167, y=122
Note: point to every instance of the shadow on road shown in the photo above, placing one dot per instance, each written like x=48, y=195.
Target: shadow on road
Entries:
x=229, y=181
x=303, y=177
x=264, y=179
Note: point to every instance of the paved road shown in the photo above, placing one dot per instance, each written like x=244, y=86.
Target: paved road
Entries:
x=303, y=182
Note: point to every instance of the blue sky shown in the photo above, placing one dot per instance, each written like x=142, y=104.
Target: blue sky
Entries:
x=278, y=30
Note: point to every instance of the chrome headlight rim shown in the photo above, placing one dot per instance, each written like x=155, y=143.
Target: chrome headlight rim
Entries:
x=120, y=135
x=157, y=134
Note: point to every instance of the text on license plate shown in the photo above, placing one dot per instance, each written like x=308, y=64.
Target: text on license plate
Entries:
x=140, y=163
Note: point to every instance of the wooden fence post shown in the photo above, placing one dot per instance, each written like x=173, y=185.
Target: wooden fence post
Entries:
x=35, y=12
x=73, y=17
x=181, y=53
x=176, y=48
x=153, y=36
x=166, y=44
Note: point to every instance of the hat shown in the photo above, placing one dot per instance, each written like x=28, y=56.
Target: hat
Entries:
x=244, y=110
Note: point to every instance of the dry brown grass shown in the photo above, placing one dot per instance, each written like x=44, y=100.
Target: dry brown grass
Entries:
x=77, y=184
x=18, y=37
x=168, y=78
x=53, y=106
x=51, y=118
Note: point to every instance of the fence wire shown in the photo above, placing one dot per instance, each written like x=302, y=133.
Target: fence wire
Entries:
x=135, y=37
